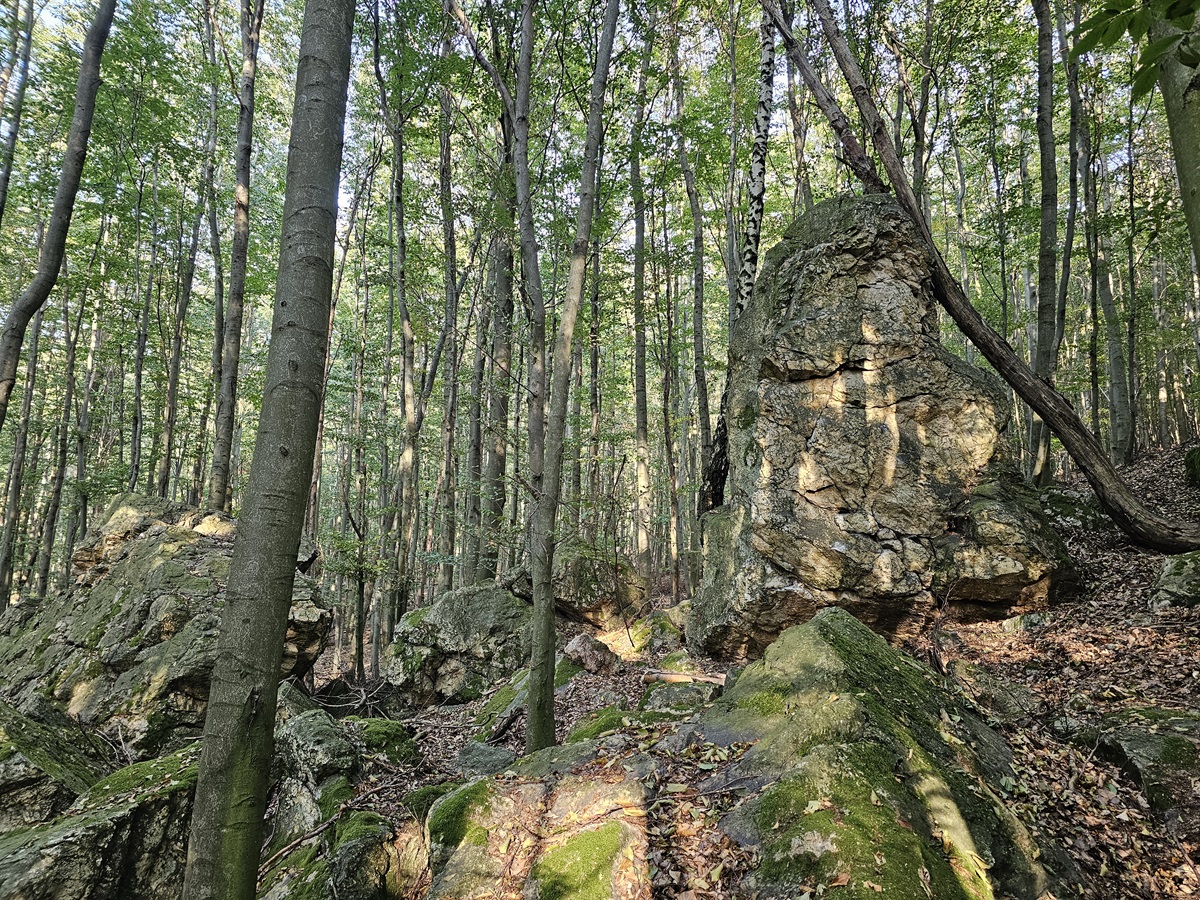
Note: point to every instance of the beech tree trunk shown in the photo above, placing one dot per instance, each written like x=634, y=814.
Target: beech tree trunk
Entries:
x=17, y=107
x=50, y=260
x=231, y=793
x=231, y=350
x=1045, y=349
x=540, y=722
x=642, y=558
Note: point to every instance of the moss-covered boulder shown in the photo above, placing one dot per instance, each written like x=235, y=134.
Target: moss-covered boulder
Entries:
x=124, y=838
x=591, y=586
x=1191, y=467
x=1160, y=750
x=867, y=464
x=44, y=767
x=548, y=831
x=459, y=646
x=1179, y=582
x=129, y=649
x=1073, y=508
x=867, y=772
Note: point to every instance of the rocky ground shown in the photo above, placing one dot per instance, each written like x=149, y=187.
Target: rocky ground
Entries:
x=1060, y=687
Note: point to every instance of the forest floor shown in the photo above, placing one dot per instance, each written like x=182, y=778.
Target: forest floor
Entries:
x=1098, y=652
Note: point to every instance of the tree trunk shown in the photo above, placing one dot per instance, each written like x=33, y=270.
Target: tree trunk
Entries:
x=1182, y=102
x=231, y=793
x=757, y=185
x=540, y=722
x=219, y=476
x=15, y=110
x=50, y=260
x=16, y=472
x=1045, y=355
x=642, y=560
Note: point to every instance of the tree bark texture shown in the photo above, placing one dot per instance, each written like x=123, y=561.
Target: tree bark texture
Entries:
x=235, y=762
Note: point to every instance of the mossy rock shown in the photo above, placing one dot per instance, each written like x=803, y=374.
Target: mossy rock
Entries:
x=612, y=719
x=582, y=868
x=387, y=738
x=861, y=749
x=1159, y=749
x=125, y=837
x=1178, y=584
x=420, y=801
x=1191, y=467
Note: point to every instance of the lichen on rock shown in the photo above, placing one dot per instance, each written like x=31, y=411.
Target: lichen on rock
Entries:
x=866, y=463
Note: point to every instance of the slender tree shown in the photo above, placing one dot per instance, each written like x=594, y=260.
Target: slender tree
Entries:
x=50, y=260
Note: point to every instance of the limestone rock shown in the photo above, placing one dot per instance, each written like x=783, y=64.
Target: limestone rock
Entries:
x=591, y=654
x=44, y=767
x=129, y=649
x=592, y=587
x=460, y=645
x=591, y=844
x=1160, y=749
x=866, y=462
x=1179, y=582
x=125, y=838
x=866, y=766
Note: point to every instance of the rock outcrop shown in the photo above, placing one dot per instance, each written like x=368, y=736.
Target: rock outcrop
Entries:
x=460, y=645
x=129, y=649
x=866, y=463
x=862, y=771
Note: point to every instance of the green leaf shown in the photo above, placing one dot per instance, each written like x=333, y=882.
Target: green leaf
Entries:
x=1143, y=81
x=1154, y=51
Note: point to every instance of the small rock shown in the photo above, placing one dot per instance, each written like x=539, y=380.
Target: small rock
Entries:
x=478, y=758
x=1179, y=582
x=594, y=656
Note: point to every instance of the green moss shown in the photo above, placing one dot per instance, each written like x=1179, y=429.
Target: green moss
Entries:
x=415, y=618
x=52, y=750
x=389, y=738
x=581, y=869
x=1177, y=752
x=831, y=820
x=1191, y=467
x=765, y=703
x=499, y=703
x=147, y=780
x=613, y=718
x=420, y=801
x=332, y=793
x=450, y=818
x=360, y=825
x=679, y=661
x=565, y=671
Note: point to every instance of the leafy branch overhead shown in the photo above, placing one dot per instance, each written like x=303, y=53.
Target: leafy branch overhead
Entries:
x=1136, y=18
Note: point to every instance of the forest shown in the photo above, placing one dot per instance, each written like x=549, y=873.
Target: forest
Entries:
x=514, y=300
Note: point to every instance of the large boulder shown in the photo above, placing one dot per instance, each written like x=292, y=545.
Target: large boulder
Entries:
x=866, y=463
x=124, y=838
x=459, y=646
x=867, y=772
x=129, y=649
x=593, y=586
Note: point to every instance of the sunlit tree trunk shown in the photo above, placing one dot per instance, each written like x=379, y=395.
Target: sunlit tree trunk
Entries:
x=220, y=475
x=540, y=708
